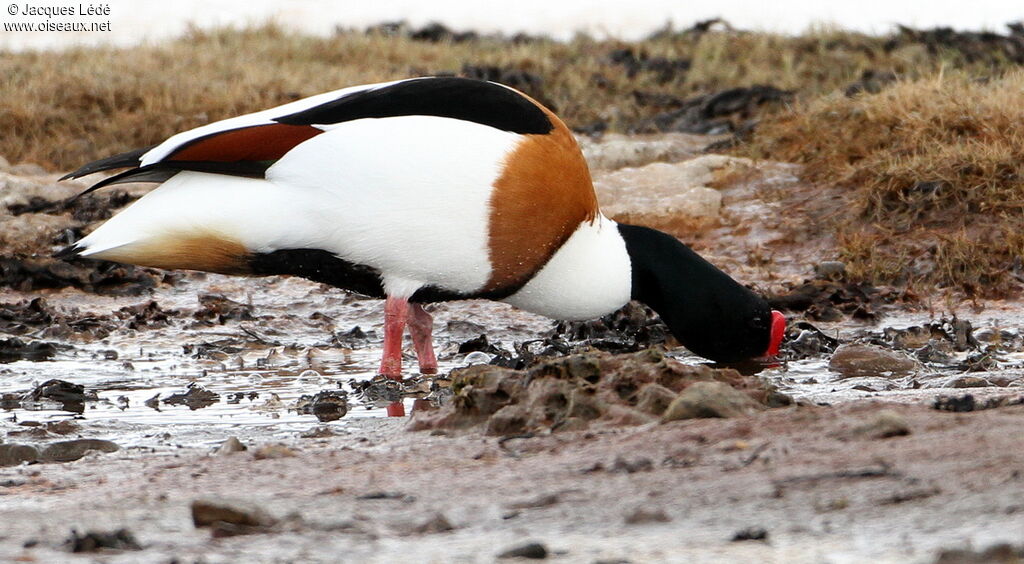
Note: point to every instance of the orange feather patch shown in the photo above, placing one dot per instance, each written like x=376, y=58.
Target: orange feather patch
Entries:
x=208, y=252
x=256, y=143
x=542, y=196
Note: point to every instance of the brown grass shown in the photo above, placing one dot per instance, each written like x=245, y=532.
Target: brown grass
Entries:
x=935, y=173
x=932, y=164
x=62, y=109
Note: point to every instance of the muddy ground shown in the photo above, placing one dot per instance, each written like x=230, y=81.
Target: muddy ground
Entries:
x=888, y=432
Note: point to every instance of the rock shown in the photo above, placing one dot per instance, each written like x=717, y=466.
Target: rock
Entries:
x=830, y=270
x=886, y=423
x=642, y=515
x=1000, y=553
x=750, y=533
x=195, y=397
x=14, y=454
x=230, y=446
x=66, y=451
x=15, y=349
x=615, y=151
x=438, y=523
x=543, y=500
x=65, y=427
x=273, y=451
x=655, y=399
x=968, y=382
x=207, y=513
x=868, y=360
x=967, y=402
x=217, y=309
x=328, y=405
x=94, y=541
x=572, y=392
x=532, y=550
x=710, y=399
x=672, y=197
x=622, y=465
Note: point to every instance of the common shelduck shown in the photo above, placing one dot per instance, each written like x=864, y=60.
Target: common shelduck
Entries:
x=418, y=191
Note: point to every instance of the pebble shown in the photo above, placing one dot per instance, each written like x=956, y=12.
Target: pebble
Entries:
x=751, y=533
x=710, y=399
x=642, y=515
x=326, y=406
x=66, y=451
x=94, y=541
x=667, y=196
x=273, y=451
x=14, y=454
x=532, y=550
x=830, y=270
x=438, y=523
x=207, y=512
x=615, y=151
x=231, y=446
x=968, y=382
x=654, y=399
x=868, y=360
x=886, y=423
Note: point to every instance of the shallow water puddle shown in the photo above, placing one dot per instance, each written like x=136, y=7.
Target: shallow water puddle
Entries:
x=276, y=340
x=292, y=339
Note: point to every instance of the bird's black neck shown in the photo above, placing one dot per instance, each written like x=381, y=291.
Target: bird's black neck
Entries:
x=708, y=312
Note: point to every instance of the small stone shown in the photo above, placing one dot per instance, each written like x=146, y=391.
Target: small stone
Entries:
x=623, y=465
x=545, y=500
x=231, y=446
x=616, y=151
x=751, y=533
x=273, y=451
x=195, y=397
x=66, y=451
x=671, y=197
x=326, y=406
x=206, y=513
x=830, y=270
x=710, y=399
x=867, y=360
x=94, y=541
x=532, y=550
x=14, y=454
x=655, y=399
x=886, y=423
x=968, y=382
x=642, y=515
x=436, y=524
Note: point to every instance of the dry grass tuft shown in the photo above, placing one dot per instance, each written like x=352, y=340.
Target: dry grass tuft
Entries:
x=62, y=109
x=932, y=164
x=935, y=172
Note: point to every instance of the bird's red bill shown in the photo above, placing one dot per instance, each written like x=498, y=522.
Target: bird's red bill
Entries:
x=778, y=331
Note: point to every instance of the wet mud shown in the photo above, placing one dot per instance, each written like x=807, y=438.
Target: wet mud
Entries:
x=135, y=418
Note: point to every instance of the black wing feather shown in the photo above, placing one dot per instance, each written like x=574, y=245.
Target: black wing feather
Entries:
x=467, y=99
x=129, y=159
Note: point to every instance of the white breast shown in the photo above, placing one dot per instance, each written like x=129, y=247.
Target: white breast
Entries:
x=588, y=277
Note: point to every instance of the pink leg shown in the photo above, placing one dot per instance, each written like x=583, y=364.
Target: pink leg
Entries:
x=421, y=327
x=396, y=409
x=395, y=311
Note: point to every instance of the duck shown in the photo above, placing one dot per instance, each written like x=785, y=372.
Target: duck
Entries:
x=417, y=191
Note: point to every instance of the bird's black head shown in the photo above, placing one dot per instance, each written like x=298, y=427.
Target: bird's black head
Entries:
x=708, y=312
